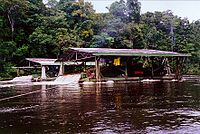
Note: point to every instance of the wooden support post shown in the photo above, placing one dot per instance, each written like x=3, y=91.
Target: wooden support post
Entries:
x=167, y=66
x=18, y=72
x=61, y=70
x=152, y=70
x=96, y=72
x=76, y=55
x=84, y=66
x=97, y=66
x=181, y=67
x=43, y=75
x=126, y=69
x=178, y=68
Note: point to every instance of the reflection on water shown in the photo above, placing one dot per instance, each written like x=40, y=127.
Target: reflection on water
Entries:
x=102, y=108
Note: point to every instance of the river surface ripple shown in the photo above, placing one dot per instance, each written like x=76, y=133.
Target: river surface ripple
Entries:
x=158, y=107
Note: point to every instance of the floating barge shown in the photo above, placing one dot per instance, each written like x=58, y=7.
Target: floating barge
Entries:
x=126, y=64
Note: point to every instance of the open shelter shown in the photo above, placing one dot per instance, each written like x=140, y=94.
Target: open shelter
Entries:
x=124, y=59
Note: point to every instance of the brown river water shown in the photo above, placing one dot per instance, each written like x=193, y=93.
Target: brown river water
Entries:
x=131, y=108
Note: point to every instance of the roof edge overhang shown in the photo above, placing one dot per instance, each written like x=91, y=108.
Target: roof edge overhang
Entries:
x=148, y=54
x=145, y=55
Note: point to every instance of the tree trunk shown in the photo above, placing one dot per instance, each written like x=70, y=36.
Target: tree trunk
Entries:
x=11, y=20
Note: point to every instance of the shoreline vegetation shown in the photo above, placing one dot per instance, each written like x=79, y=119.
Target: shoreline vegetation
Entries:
x=33, y=29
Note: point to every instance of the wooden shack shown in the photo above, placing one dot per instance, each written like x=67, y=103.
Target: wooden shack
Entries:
x=128, y=64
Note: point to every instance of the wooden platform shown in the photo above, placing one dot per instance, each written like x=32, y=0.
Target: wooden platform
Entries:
x=129, y=79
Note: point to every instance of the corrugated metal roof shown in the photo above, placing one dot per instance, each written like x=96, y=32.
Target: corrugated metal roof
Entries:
x=48, y=62
x=43, y=61
x=128, y=52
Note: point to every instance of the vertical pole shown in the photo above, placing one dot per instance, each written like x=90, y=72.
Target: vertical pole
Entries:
x=167, y=65
x=76, y=55
x=18, y=72
x=178, y=68
x=84, y=68
x=97, y=68
x=126, y=69
x=96, y=73
x=43, y=75
x=181, y=68
x=61, y=70
x=177, y=75
x=152, y=70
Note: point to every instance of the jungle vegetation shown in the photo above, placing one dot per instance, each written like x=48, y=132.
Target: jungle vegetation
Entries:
x=30, y=28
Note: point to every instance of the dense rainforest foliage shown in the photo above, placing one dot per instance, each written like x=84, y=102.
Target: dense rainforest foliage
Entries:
x=30, y=28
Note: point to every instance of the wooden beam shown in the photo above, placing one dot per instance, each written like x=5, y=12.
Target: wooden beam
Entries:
x=167, y=66
x=178, y=69
x=61, y=69
x=83, y=58
x=43, y=73
x=18, y=72
x=126, y=69
x=152, y=70
x=97, y=67
x=76, y=56
x=27, y=67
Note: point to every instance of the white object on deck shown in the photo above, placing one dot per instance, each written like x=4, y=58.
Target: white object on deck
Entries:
x=68, y=79
x=61, y=80
x=88, y=82
x=22, y=79
x=174, y=80
x=149, y=80
x=110, y=82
